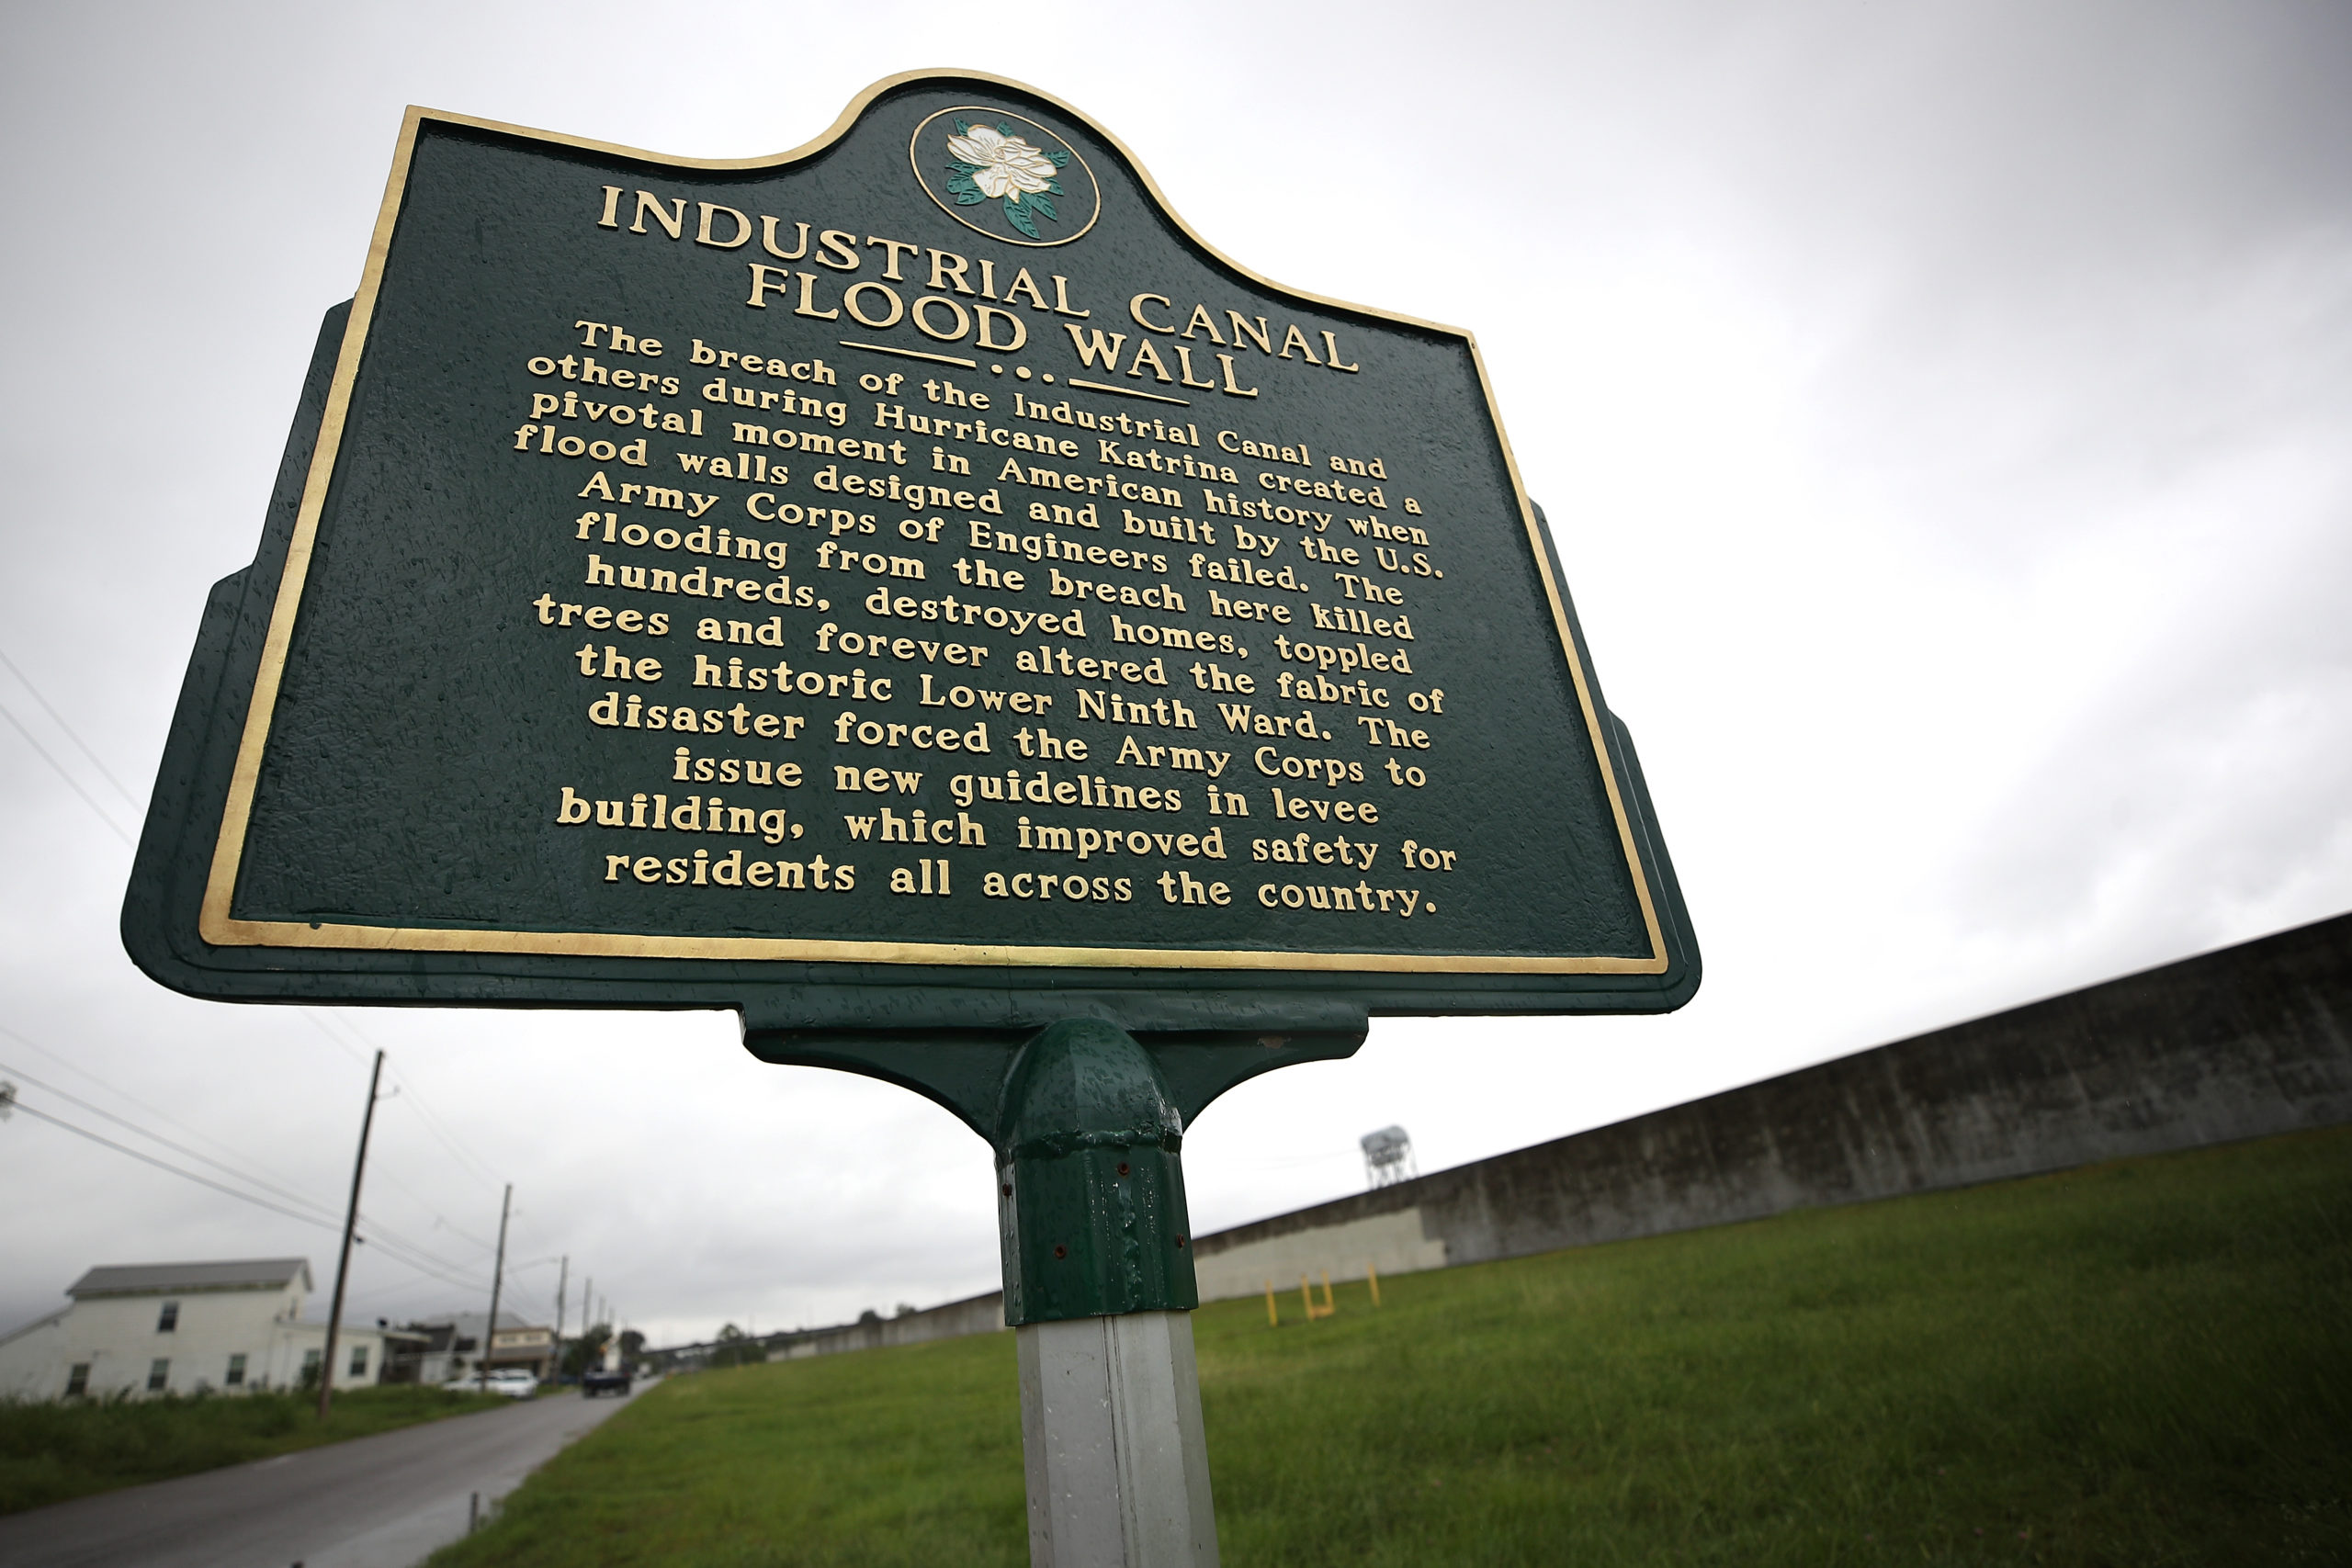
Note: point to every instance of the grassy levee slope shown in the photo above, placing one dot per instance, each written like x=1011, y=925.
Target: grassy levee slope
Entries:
x=53, y=1452
x=2141, y=1363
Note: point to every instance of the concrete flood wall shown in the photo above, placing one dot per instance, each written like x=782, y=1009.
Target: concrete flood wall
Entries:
x=2239, y=1044
x=1243, y=1262
x=974, y=1314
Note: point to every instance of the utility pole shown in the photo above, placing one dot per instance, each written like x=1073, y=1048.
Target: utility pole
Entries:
x=563, y=1277
x=497, y=1281
x=350, y=1223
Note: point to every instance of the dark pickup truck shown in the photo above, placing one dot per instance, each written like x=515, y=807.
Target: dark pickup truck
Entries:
x=595, y=1382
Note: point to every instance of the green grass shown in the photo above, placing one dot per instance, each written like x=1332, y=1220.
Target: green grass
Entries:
x=52, y=1452
x=2143, y=1363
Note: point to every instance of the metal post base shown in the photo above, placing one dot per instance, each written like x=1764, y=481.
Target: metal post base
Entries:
x=1111, y=1437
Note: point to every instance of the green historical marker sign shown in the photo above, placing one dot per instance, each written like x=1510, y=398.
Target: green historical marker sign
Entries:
x=913, y=581
x=912, y=591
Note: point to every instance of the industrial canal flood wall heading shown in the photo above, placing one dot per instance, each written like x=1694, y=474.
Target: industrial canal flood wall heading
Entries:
x=2243, y=1043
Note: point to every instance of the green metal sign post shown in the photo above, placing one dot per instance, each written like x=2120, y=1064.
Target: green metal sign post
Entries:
x=915, y=592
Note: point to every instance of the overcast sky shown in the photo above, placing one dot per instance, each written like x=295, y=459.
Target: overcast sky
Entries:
x=1941, y=408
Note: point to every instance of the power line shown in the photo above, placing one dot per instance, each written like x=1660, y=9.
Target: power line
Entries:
x=440, y=1221
x=341, y=1043
x=474, y=1164
x=471, y=1164
x=71, y=782
x=403, y=1087
x=381, y=1293
x=392, y=1241
x=392, y=1245
x=157, y=1137
x=176, y=1170
x=403, y=1252
x=439, y=1129
x=389, y=1242
x=123, y=1094
x=59, y=719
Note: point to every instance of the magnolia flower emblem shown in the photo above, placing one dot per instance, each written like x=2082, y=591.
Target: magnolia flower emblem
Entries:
x=1002, y=164
x=993, y=164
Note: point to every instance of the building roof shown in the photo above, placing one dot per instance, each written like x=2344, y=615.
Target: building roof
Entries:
x=164, y=1278
x=471, y=1322
x=57, y=1317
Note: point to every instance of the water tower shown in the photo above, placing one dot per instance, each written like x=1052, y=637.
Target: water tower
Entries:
x=1388, y=1157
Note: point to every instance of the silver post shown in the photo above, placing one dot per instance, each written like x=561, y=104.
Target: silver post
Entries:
x=1116, y=1459
x=1099, y=1290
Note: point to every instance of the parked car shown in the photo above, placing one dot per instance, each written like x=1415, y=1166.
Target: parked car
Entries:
x=597, y=1380
x=514, y=1383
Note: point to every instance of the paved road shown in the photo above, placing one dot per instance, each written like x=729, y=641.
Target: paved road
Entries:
x=380, y=1502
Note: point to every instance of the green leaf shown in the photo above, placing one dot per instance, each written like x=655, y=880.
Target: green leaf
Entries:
x=970, y=196
x=963, y=127
x=1060, y=155
x=1004, y=131
x=1042, y=205
x=1055, y=187
x=1018, y=220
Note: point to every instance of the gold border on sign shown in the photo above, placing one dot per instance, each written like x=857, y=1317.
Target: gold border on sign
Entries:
x=915, y=165
x=217, y=925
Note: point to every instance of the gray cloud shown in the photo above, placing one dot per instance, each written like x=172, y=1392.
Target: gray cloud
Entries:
x=1942, y=410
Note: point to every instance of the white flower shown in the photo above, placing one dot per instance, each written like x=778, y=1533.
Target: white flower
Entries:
x=1006, y=164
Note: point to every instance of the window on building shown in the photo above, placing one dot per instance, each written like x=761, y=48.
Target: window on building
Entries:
x=236, y=1378
x=159, y=1373
x=168, y=1320
x=359, y=1360
x=311, y=1368
x=77, y=1380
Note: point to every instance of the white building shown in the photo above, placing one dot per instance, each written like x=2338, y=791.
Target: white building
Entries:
x=155, y=1329
x=449, y=1349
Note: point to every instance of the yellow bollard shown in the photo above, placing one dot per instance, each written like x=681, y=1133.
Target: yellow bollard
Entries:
x=1330, y=1307
x=1371, y=1276
x=1307, y=1295
x=1273, y=1318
